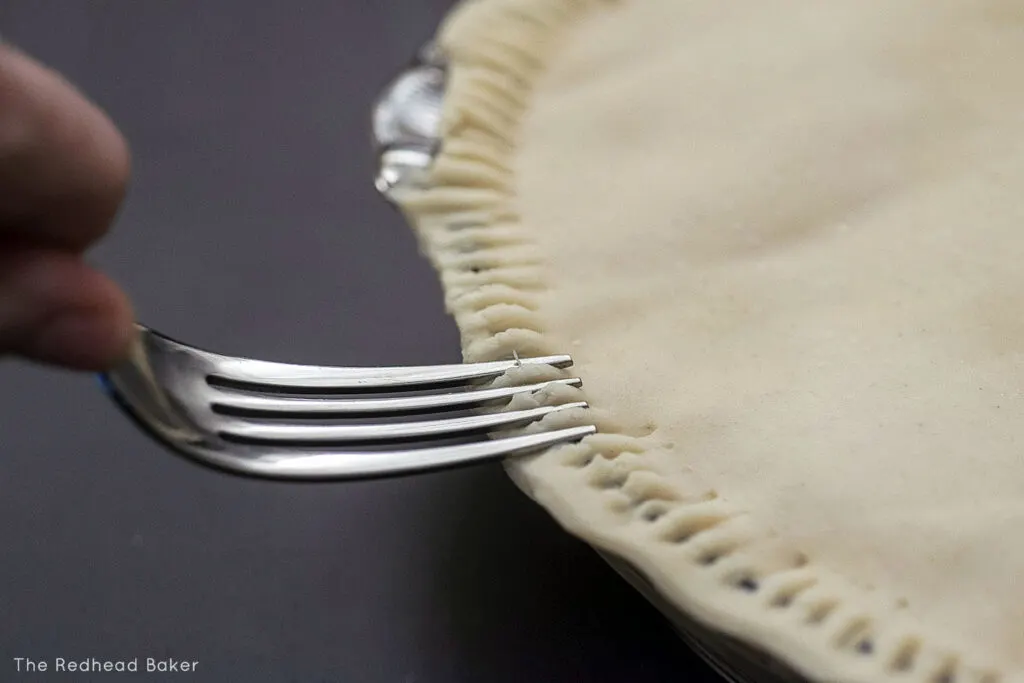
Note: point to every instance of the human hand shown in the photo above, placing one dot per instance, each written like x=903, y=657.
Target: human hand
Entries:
x=63, y=172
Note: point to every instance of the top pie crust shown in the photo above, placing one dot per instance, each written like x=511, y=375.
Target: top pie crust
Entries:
x=781, y=240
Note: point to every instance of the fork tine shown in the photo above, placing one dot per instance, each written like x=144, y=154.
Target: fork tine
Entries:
x=272, y=376
x=233, y=402
x=362, y=465
x=255, y=432
x=282, y=376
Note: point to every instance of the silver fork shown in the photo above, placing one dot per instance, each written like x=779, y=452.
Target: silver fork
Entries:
x=281, y=421
x=284, y=421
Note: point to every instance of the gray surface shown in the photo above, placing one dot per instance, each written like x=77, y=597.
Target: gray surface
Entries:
x=252, y=228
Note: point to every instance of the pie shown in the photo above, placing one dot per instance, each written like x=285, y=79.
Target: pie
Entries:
x=783, y=241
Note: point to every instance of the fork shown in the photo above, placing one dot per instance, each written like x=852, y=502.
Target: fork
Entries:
x=282, y=421
x=294, y=422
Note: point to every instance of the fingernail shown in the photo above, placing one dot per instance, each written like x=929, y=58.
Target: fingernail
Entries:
x=78, y=339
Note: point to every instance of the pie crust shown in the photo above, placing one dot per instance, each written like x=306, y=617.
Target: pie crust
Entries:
x=779, y=238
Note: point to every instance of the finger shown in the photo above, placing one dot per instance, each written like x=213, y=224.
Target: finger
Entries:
x=63, y=164
x=55, y=309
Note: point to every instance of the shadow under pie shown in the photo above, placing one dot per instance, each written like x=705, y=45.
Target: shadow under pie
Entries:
x=511, y=582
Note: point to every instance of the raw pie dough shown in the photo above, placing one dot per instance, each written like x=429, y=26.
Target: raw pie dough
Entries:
x=784, y=242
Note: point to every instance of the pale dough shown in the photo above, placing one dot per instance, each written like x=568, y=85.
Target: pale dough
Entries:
x=784, y=242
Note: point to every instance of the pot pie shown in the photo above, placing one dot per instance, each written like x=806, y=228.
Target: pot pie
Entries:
x=784, y=242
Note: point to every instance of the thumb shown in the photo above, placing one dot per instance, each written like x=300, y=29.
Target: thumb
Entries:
x=55, y=309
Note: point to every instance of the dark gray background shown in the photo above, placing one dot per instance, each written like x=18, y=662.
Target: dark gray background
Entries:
x=252, y=228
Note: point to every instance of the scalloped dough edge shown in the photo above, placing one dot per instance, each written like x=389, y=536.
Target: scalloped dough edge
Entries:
x=704, y=555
